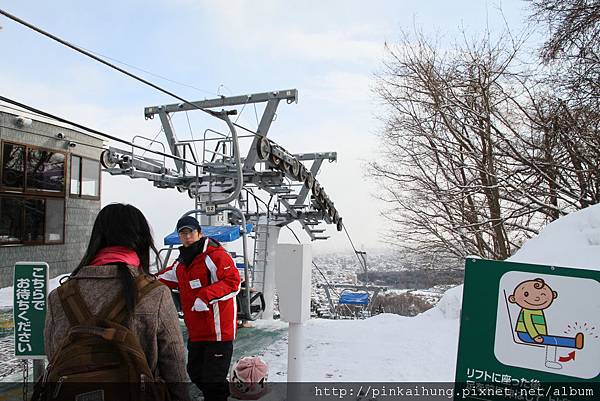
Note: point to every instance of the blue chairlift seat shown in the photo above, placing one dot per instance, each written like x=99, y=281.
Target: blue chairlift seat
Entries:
x=219, y=233
x=354, y=298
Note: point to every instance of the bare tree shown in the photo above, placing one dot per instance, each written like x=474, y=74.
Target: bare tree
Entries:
x=569, y=114
x=478, y=151
x=446, y=168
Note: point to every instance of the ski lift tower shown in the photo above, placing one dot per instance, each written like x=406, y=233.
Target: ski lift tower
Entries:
x=218, y=177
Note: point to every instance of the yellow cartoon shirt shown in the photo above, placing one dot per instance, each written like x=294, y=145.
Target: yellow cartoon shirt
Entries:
x=532, y=322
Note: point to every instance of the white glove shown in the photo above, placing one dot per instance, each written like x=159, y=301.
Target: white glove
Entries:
x=199, y=306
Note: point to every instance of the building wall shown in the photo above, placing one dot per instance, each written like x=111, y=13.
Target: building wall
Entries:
x=79, y=213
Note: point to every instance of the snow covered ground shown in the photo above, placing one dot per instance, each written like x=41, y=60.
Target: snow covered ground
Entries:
x=386, y=347
x=423, y=348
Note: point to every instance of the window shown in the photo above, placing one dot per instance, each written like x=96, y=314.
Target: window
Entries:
x=90, y=177
x=45, y=170
x=75, y=175
x=29, y=220
x=32, y=188
x=55, y=217
x=32, y=170
x=85, y=178
x=13, y=165
x=11, y=220
x=33, y=221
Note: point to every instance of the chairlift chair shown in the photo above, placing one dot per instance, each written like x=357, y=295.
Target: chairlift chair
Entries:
x=355, y=298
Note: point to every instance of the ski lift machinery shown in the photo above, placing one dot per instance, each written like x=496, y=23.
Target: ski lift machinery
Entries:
x=220, y=177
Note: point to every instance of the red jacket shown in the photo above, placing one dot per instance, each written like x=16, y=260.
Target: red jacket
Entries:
x=207, y=290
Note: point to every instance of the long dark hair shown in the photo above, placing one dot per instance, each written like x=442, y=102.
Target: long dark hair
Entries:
x=118, y=224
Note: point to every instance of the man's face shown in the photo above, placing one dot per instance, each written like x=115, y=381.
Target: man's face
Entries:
x=188, y=236
x=533, y=295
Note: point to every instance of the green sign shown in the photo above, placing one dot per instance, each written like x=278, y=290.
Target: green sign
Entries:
x=29, y=312
x=528, y=332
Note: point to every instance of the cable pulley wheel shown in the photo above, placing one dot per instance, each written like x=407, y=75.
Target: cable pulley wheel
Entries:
x=302, y=173
x=293, y=168
x=316, y=190
x=309, y=180
x=106, y=160
x=329, y=207
x=332, y=214
x=263, y=149
x=322, y=198
x=276, y=161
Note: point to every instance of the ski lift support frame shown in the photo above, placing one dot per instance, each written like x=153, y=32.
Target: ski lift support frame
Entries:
x=282, y=164
x=226, y=176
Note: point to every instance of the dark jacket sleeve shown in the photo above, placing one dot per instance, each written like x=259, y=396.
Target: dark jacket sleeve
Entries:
x=171, y=351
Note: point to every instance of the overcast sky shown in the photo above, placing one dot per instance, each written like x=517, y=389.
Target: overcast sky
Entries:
x=329, y=51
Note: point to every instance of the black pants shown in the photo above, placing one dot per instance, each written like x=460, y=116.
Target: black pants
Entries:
x=208, y=365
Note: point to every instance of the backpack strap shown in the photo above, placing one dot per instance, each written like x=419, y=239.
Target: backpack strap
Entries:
x=73, y=304
x=116, y=310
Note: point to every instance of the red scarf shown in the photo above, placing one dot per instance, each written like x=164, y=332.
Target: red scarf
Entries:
x=112, y=254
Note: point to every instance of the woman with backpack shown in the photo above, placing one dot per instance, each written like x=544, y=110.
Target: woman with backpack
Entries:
x=112, y=330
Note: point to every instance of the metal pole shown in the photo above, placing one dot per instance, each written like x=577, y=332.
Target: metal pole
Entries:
x=238, y=162
x=244, y=239
x=295, y=345
x=39, y=365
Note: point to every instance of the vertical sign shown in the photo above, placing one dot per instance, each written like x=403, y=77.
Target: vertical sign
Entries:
x=29, y=312
x=528, y=332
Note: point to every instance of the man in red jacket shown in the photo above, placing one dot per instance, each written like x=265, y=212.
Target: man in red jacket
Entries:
x=208, y=282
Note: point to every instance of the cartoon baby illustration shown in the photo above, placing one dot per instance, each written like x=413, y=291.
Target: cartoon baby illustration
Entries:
x=533, y=296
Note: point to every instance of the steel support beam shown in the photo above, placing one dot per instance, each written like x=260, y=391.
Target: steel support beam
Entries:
x=263, y=129
x=290, y=95
x=171, y=138
x=331, y=156
x=314, y=169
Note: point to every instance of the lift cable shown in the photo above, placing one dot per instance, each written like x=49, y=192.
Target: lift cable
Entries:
x=191, y=134
x=121, y=70
x=355, y=251
x=154, y=139
x=314, y=264
x=258, y=199
x=337, y=294
x=91, y=130
x=149, y=72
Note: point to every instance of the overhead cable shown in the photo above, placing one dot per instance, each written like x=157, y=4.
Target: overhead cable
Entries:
x=91, y=130
x=121, y=70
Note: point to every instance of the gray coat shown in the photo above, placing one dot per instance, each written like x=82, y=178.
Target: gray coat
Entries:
x=155, y=322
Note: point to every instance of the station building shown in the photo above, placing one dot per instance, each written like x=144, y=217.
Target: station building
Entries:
x=49, y=193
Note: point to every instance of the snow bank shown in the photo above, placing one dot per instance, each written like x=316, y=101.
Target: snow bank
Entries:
x=450, y=303
x=571, y=241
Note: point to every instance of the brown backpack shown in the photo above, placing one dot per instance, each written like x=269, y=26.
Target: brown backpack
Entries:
x=100, y=358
